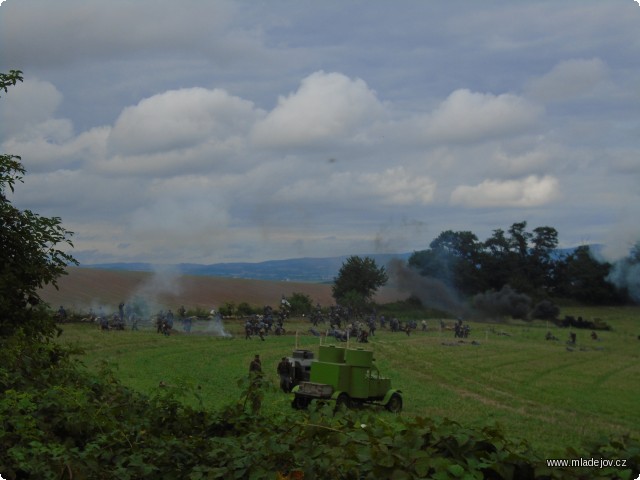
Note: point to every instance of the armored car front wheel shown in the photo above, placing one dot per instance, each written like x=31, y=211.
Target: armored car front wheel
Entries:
x=343, y=399
x=394, y=404
x=299, y=402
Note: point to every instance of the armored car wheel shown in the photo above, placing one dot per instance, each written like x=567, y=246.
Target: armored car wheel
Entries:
x=394, y=404
x=343, y=399
x=300, y=402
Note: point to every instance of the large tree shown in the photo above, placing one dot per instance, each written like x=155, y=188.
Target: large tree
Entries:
x=453, y=258
x=358, y=280
x=29, y=254
x=582, y=277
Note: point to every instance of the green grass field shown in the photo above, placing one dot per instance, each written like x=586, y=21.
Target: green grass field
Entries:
x=532, y=388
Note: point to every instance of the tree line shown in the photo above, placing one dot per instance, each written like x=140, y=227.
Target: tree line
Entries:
x=527, y=261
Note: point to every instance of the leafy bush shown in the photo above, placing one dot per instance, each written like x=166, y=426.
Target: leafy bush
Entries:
x=245, y=310
x=229, y=309
x=301, y=303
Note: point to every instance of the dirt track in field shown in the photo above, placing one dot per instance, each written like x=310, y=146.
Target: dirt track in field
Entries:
x=85, y=287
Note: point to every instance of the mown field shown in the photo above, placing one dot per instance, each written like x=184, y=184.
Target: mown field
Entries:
x=542, y=391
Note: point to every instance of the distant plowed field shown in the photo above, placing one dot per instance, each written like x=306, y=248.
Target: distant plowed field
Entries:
x=85, y=287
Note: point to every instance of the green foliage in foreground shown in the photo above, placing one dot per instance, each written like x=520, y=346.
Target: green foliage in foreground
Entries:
x=60, y=421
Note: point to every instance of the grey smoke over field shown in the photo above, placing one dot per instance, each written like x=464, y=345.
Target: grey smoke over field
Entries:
x=625, y=275
x=214, y=326
x=431, y=292
x=146, y=300
x=165, y=281
x=625, y=263
x=505, y=302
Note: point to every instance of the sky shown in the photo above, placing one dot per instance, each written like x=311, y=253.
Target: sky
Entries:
x=224, y=131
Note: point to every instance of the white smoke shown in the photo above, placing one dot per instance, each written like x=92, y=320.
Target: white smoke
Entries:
x=214, y=326
x=147, y=299
x=625, y=275
x=622, y=251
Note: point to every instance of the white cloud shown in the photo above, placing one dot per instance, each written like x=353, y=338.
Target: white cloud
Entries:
x=467, y=116
x=51, y=145
x=535, y=160
x=328, y=107
x=27, y=105
x=393, y=186
x=531, y=191
x=569, y=79
x=397, y=187
x=179, y=119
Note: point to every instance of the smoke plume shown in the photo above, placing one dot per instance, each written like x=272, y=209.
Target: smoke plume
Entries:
x=625, y=275
x=431, y=292
x=505, y=302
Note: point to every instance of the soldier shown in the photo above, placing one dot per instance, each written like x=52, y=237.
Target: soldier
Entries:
x=284, y=303
x=186, y=322
x=371, y=323
x=160, y=321
x=168, y=323
x=261, y=329
x=285, y=371
x=248, y=329
x=255, y=367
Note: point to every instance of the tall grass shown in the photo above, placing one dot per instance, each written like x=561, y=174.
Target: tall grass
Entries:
x=547, y=392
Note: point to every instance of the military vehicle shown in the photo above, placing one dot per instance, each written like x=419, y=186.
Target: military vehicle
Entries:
x=301, y=363
x=348, y=377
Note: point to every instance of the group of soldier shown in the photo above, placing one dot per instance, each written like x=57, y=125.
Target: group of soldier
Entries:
x=343, y=326
x=461, y=330
x=286, y=373
x=344, y=322
x=573, y=338
x=269, y=322
x=165, y=320
x=285, y=370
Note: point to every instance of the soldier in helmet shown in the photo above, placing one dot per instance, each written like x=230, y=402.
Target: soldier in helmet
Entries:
x=285, y=371
x=255, y=367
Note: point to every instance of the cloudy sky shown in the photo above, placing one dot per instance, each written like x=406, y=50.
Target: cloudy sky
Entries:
x=214, y=131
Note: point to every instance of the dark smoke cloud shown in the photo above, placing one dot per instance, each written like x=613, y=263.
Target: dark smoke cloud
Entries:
x=505, y=302
x=431, y=292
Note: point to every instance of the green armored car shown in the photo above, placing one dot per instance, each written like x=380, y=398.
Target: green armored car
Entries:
x=349, y=377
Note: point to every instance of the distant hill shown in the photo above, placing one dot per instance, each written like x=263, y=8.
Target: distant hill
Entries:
x=306, y=269
x=318, y=270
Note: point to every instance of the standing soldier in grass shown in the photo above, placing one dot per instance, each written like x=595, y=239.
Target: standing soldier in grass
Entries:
x=255, y=367
x=254, y=393
x=285, y=373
